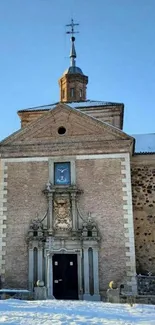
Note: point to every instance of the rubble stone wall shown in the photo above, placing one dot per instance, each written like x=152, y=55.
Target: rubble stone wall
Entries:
x=143, y=189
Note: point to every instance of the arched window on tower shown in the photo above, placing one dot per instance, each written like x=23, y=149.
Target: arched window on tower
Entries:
x=80, y=93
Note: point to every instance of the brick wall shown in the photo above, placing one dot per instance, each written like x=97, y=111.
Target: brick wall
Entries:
x=110, y=114
x=83, y=135
x=25, y=201
x=104, y=176
x=102, y=183
x=70, y=81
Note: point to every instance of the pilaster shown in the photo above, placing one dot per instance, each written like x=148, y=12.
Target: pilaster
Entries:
x=128, y=225
x=74, y=211
x=86, y=295
x=40, y=263
x=80, y=290
x=31, y=267
x=50, y=213
x=50, y=276
x=96, y=295
x=3, y=216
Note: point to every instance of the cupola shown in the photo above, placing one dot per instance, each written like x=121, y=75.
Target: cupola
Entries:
x=73, y=83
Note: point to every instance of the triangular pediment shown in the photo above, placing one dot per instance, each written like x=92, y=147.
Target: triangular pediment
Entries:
x=77, y=124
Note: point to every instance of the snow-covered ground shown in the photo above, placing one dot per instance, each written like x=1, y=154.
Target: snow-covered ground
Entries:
x=54, y=312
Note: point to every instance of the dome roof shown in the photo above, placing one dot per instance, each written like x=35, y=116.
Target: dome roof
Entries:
x=73, y=70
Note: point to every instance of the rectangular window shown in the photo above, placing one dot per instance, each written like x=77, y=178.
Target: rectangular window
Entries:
x=80, y=93
x=72, y=92
x=62, y=173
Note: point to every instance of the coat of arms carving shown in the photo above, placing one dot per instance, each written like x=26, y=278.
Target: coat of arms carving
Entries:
x=62, y=214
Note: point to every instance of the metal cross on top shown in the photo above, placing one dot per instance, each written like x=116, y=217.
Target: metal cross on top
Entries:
x=72, y=25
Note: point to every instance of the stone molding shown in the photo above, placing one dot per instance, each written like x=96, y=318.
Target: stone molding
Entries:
x=3, y=214
x=70, y=159
x=41, y=148
x=102, y=156
x=140, y=159
x=76, y=157
x=128, y=224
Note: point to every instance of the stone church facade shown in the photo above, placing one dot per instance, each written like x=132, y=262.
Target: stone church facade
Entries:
x=76, y=200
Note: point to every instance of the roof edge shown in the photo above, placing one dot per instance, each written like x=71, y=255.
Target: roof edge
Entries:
x=49, y=106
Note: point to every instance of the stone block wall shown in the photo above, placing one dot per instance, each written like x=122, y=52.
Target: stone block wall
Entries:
x=143, y=189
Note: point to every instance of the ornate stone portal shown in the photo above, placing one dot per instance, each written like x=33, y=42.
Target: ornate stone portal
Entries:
x=63, y=230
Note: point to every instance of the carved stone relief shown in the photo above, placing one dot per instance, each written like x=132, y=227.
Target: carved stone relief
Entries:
x=62, y=214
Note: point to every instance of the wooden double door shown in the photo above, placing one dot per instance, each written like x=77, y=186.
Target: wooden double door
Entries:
x=65, y=276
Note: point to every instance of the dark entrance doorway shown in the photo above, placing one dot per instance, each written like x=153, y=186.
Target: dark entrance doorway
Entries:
x=65, y=277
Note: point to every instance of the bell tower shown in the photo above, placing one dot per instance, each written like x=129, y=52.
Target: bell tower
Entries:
x=73, y=83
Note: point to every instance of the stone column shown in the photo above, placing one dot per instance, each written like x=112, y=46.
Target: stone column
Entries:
x=96, y=295
x=31, y=267
x=50, y=276
x=50, y=213
x=86, y=295
x=40, y=264
x=74, y=212
x=80, y=291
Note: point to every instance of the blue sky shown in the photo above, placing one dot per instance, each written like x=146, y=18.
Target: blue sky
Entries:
x=115, y=48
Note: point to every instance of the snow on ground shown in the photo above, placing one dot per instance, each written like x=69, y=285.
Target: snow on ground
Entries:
x=54, y=312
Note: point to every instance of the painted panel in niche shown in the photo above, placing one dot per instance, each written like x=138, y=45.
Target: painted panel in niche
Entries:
x=62, y=174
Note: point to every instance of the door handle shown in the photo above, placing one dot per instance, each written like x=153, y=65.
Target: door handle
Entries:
x=57, y=281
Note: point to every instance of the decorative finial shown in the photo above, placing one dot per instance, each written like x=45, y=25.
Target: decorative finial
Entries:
x=72, y=32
